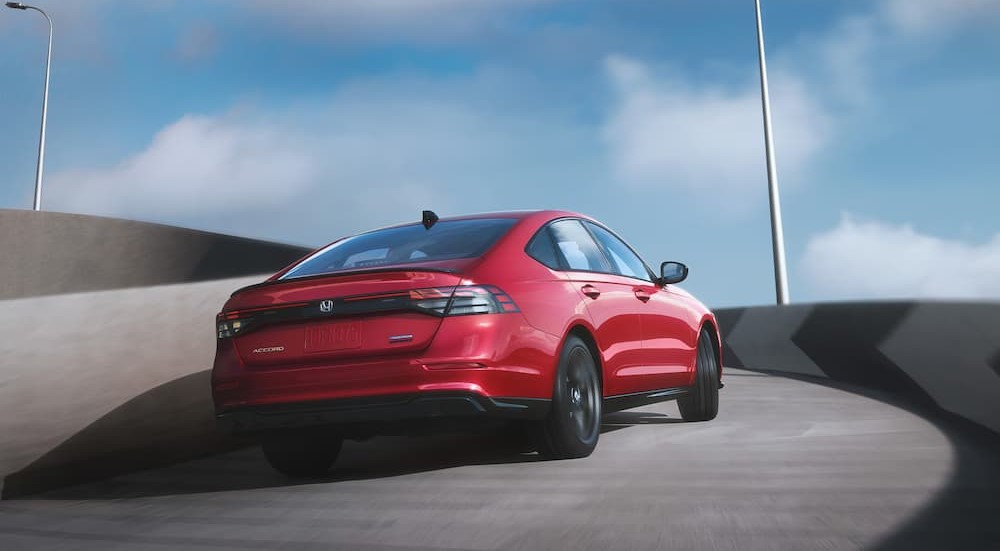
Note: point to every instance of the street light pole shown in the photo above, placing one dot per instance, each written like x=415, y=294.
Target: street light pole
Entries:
x=45, y=105
x=777, y=235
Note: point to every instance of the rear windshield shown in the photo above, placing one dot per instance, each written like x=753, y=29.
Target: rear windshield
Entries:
x=446, y=240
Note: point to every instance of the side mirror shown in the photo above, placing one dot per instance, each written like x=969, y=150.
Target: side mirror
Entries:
x=672, y=272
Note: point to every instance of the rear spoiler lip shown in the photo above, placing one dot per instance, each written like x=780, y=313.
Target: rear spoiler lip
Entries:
x=271, y=282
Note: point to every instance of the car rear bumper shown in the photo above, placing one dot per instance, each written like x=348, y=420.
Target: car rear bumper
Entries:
x=377, y=410
x=482, y=356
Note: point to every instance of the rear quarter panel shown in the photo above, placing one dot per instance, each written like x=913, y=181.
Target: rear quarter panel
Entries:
x=549, y=302
x=546, y=298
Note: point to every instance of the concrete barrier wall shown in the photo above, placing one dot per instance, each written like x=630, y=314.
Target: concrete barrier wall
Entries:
x=107, y=341
x=94, y=384
x=946, y=354
x=47, y=253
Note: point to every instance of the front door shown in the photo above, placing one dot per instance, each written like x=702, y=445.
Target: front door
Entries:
x=611, y=304
x=666, y=353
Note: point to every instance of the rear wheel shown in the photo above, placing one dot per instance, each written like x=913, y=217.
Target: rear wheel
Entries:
x=702, y=401
x=573, y=425
x=302, y=453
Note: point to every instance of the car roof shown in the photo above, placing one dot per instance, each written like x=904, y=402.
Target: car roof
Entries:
x=516, y=214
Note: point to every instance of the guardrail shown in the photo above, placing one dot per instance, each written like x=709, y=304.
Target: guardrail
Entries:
x=946, y=354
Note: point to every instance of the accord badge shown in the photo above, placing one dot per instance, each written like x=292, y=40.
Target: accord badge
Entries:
x=269, y=349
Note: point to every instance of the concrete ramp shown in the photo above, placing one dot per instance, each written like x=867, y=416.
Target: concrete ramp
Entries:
x=108, y=336
x=787, y=464
x=96, y=384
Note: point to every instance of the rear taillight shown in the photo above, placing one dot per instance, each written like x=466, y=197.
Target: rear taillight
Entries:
x=229, y=328
x=235, y=322
x=464, y=300
x=434, y=300
x=437, y=301
x=480, y=299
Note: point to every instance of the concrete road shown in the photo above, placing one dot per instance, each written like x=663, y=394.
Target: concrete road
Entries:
x=787, y=465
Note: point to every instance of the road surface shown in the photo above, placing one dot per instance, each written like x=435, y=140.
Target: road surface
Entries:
x=788, y=464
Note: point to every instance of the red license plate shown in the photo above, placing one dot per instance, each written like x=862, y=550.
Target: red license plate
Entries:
x=333, y=336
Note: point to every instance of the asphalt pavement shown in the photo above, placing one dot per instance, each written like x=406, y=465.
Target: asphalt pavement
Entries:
x=788, y=464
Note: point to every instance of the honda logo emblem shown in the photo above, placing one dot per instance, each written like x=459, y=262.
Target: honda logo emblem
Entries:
x=326, y=306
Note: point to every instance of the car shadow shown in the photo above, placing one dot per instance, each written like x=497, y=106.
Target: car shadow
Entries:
x=625, y=419
x=380, y=457
x=246, y=468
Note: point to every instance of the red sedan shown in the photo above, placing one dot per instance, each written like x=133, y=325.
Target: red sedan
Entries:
x=547, y=319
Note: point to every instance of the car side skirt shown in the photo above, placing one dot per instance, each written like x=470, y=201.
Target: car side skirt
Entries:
x=636, y=399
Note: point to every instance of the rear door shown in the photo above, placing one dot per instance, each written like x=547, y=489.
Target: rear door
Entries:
x=609, y=300
x=665, y=351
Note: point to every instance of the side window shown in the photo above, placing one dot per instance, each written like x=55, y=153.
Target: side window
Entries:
x=577, y=247
x=542, y=249
x=625, y=261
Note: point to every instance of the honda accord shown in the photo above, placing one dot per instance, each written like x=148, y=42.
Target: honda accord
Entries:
x=544, y=319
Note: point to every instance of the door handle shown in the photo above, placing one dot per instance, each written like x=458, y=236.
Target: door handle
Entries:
x=591, y=291
x=642, y=295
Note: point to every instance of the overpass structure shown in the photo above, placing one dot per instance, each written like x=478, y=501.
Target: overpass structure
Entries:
x=842, y=426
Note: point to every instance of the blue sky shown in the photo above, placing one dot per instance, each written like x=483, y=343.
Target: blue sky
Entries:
x=305, y=121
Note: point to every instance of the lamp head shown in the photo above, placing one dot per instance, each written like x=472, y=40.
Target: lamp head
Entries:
x=16, y=6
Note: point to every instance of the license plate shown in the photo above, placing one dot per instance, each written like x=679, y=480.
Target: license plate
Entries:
x=333, y=336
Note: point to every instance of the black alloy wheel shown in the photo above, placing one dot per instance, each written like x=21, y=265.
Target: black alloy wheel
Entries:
x=702, y=401
x=573, y=425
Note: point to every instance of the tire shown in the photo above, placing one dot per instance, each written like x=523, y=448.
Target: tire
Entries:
x=573, y=424
x=702, y=402
x=302, y=453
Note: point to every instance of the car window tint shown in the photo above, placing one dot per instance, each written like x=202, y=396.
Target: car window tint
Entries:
x=541, y=249
x=625, y=261
x=446, y=240
x=577, y=247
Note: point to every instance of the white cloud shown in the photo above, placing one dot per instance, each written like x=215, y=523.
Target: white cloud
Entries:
x=75, y=25
x=844, y=57
x=669, y=133
x=935, y=16
x=870, y=259
x=426, y=20
x=196, y=165
x=79, y=26
x=373, y=153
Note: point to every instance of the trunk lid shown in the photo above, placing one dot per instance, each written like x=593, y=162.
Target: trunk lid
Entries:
x=316, y=320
